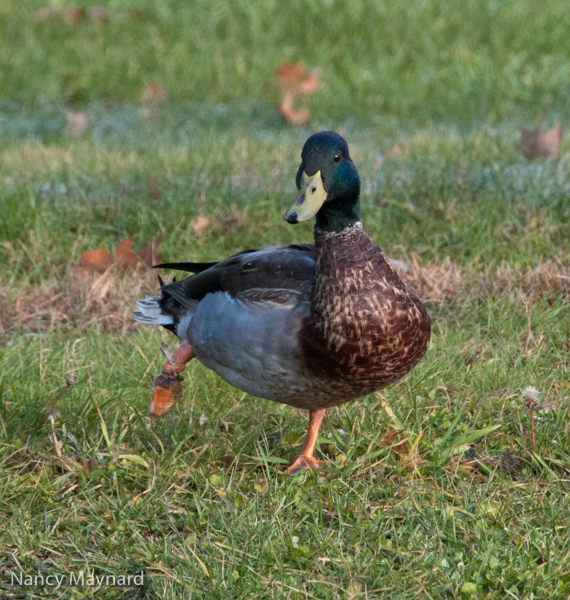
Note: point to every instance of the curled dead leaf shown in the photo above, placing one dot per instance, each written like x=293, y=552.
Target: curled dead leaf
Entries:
x=289, y=75
x=311, y=83
x=153, y=92
x=293, y=78
x=149, y=255
x=228, y=460
x=74, y=15
x=295, y=82
x=534, y=143
x=97, y=261
x=298, y=117
x=200, y=225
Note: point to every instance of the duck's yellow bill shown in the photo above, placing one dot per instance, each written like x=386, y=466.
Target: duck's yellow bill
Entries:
x=311, y=197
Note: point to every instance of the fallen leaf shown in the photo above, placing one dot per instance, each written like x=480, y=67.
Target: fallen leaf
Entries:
x=74, y=15
x=311, y=83
x=133, y=12
x=293, y=78
x=289, y=75
x=388, y=438
x=228, y=460
x=99, y=261
x=153, y=187
x=153, y=92
x=148, y=254
x=46, y=14
x=123, y=252
x=297, y=118
x=200, y=225
x=95, y=260
x=295, y=83
x=78, y=121
x=534, y=143
x=98, y=13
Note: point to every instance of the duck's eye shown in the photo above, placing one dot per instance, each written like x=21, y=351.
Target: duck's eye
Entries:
x=337, y=157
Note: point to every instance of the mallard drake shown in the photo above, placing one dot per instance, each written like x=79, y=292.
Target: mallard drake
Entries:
x=312, y=326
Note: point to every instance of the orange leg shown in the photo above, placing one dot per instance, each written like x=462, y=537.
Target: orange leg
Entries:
x=305, y=458
x=167, y=388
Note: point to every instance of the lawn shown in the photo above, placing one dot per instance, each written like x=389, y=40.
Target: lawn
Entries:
x=454, y=482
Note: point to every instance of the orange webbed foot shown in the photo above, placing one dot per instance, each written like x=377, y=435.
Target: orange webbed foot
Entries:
x=302, y=462
x=167, y=388
x=306, y=458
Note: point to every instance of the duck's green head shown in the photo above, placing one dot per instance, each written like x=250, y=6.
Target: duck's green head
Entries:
x=328, y=183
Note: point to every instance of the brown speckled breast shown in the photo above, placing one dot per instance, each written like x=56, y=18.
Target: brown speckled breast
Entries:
x=366, y=329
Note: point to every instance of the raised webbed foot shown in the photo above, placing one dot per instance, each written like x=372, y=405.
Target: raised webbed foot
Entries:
x=167, y=388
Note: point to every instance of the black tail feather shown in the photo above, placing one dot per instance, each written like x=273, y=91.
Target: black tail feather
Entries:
x=189, y=267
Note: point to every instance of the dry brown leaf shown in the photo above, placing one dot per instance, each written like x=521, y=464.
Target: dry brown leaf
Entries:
x=46, y=14
x=153, y=187
x=200, y=225
x=295, y=83
x=388, y=438
x=534, y=143
x=289, y=75
x=228, y=460
x=78, y=121
x=153, y=92
x=74, y=15
x=95, y=260
x=98, y=13
x=294, y=78
x=124, y=254
x=98, y=260
x=311, y=83
x=148, y=254
x=298, y=117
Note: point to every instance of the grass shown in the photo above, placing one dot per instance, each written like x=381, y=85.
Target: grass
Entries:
x=434, y=489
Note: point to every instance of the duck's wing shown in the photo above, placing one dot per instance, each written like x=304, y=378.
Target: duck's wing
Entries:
x=275, y=267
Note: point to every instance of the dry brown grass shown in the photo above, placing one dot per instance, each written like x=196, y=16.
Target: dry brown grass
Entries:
x=75, y=302
x=107, y=300
x=441, y=283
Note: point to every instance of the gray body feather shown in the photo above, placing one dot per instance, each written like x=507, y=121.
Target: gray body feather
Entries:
x=242, y=317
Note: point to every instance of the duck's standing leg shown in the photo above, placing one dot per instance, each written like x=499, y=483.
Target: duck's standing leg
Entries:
x=167, y=388
x=305, y=458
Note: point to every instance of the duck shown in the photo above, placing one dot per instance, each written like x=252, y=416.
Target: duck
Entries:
x=312, y=326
